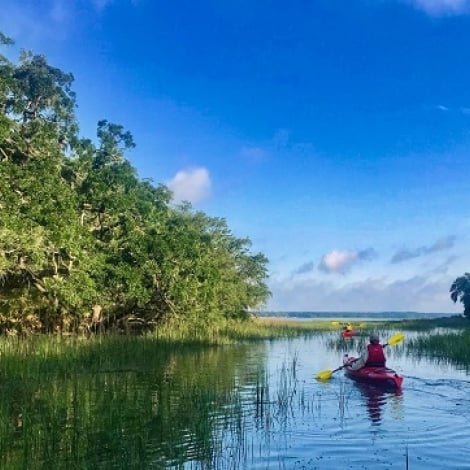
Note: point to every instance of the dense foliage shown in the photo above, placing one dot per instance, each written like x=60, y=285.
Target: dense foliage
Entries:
x=460, y=290
x=85, y=243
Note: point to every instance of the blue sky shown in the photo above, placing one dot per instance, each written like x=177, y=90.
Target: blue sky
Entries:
x=334, y=134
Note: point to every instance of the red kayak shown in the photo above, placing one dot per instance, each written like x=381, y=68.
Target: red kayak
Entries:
x=348, y=333
x=374, y=375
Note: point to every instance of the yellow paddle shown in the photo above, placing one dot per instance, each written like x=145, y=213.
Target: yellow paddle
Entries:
x=326, y=374
x=335, y=323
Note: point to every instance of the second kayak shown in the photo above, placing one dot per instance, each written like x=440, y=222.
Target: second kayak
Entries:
x=348, y=333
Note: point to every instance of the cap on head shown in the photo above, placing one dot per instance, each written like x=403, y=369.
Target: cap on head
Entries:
x=374, y=339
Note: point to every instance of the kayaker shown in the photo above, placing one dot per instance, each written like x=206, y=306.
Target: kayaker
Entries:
x=373, y=356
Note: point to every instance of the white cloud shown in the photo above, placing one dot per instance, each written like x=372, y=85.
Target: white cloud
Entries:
x=442, y=7
x=191, y=185
x=337, y=261
x=340, y=262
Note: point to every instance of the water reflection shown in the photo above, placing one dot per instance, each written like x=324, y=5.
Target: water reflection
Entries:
x=160, y=408
x=376, y=398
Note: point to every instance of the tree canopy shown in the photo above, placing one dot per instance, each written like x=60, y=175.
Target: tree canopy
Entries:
x=460, y=290
x=85, y=243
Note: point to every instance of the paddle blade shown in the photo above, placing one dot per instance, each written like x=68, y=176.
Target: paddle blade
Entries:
x=335, y=323
x=324, y=375
x=395, y=339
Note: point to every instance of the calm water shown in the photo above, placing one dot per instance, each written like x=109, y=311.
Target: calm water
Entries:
x=348, y=426
x=254, y=406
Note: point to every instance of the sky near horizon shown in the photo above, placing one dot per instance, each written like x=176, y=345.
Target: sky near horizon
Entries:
x=335, y=134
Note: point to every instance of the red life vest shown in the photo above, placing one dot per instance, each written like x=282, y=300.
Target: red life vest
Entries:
x=376, y=355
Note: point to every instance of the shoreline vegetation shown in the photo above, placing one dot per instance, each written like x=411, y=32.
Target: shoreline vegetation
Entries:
x=447, y=337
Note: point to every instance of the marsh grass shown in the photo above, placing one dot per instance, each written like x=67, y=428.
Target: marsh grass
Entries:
x=266, y=328
x=158, y=401
x=41, y=354
x=452, y=347
x=109, y=402
x=228, y=332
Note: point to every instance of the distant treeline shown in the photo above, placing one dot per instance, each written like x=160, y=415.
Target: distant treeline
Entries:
x=339, y=315
x=87, y=245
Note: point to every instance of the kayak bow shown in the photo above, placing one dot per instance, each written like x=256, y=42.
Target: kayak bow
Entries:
x=375, y=375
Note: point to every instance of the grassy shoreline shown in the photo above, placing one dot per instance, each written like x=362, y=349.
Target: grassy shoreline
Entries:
x=60, y=353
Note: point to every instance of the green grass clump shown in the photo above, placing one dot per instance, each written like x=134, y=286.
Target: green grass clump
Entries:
x=453, y=347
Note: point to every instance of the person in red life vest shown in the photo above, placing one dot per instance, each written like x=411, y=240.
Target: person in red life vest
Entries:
x=373, y=356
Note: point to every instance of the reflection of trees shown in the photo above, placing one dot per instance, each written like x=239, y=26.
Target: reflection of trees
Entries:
x=160, y=407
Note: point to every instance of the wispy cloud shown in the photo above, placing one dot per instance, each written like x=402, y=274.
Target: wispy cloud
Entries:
x=465, y=110
x=340, y=262
x=27, y=22
x=32, y=23
x=443, y=268
x=442, y=7
x=418, y=293
x=100, y=5
x=191, y=185
x=305, y=268
x=281, y=138
x=253, y=153
x=405, y=254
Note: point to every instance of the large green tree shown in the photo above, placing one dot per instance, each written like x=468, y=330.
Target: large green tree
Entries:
x=460, y=290
x=85, y=243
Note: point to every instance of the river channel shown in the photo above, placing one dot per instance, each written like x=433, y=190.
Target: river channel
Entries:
x=341, y=424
